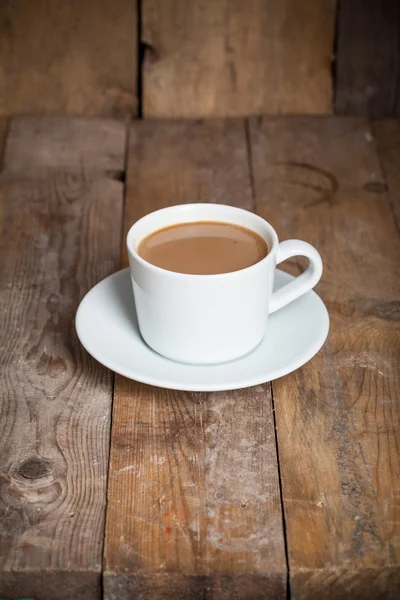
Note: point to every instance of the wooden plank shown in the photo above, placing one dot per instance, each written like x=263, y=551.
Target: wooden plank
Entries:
x=60, y=235
x=338, y=417
x=75, y=58
x=217, y=58
x=193, y=496
x=368, y=58
x=387, y=134
x=39, y=145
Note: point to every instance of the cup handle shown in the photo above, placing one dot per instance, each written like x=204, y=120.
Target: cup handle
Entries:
x=304, y=282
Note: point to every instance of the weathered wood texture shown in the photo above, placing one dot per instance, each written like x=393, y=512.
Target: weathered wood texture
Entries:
x=75, y=58
x=338, y=417
x=218, y=58
x=387, y=134
x=38, y=146
x=368, y=58
x=60, y=235
x=193, y=497
x=3, y=135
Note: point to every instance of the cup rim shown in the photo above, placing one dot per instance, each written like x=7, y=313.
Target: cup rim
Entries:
x=197, y=276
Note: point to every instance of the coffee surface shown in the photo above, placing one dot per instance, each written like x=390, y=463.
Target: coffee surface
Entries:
x=203, y=248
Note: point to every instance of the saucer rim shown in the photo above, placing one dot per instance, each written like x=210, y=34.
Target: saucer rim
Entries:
x=312, y=350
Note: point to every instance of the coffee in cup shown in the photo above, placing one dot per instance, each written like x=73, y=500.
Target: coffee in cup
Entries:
x=203, y=248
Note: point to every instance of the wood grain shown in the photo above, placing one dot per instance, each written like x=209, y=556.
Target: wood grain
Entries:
x=368, y=58
x=3, y=135
x=387, y=134
x=60, y=235
x=75, y=58
x=338, y=417
x=193, y=497
x=218, y=58
x=38, y=146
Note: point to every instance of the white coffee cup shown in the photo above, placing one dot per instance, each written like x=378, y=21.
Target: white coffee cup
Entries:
x=208, y=319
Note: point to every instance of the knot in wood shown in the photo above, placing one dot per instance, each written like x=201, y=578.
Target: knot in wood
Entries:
x=34, y=468
x=390, y=311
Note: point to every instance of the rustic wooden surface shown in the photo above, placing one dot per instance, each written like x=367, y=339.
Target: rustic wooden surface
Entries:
x=368, y=58
x=194, y=507
x=77, y=58
x=193, y=497
x=60, y=235
x=217, y=58
x=199, y=58
x=387, y=134
x=338, y=416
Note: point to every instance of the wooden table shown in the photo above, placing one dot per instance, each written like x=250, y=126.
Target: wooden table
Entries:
x=114, y=489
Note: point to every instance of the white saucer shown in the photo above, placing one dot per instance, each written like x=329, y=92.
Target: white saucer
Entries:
x=107, y=327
